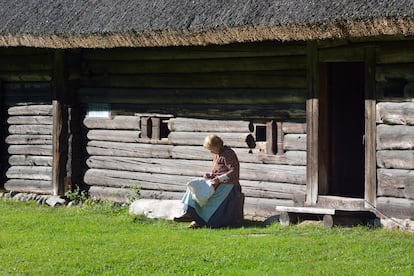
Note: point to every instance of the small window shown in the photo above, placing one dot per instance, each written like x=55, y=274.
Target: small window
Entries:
x=261, y=133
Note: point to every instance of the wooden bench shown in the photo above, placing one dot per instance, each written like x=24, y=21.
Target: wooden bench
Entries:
x=330, y=216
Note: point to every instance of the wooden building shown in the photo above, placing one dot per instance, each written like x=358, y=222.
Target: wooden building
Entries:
x=317, y=99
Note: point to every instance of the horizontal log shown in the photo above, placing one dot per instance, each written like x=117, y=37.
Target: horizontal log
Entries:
x=127, y=179
x=341, y=54
x=395, y=54
x=262, y=112
x=261, y=172
x=19, y=139
x=200, y=66
x=200, y=125
x=395, y=71
x=30, y=120
x=294, y=158
x=120, y=195
x=395, y=113
x=294, y=142
x=30, y=160
x=29, y=186
x=396, y=183
x=128, y=149
x=27, y=76
x=239, y=140
x=43, y=150
x=165, y=195
x=31, y=110
x=168, y=182
x=130, y=136
x=396, y=159
x=263, y=207
x=266, y=79
x=30, y=172
x=184, y=96
x=294, y=128
x=31, y=129
x=116, y=122
x=395, y=137
x=396, y=207
x=196, y=52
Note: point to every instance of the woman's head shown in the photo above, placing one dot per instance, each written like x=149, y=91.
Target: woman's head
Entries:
x=213, y=143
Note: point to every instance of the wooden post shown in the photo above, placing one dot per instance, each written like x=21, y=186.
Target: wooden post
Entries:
x=60, y=114
x=279, y=138
x=312, y=120
x=370, y=130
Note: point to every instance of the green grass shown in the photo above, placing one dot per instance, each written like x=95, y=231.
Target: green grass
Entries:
x=98, y=240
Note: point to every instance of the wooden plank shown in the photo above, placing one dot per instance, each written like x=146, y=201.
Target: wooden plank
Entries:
x=30, y=120
x=395, y=137
x=308, y=210
x=202, y=125
x=30, y=160
x=192, y=95
x=312, y=124
x=279, y=187
x=30, y=172
x=395, y=113
x=20, y=139
x=116, y=122
x=396, y=207
x=105, y=148
x=396, y=183
x=341, y=54
x=31, y=129
x=29, y=186
x=370, y=184
x=239, y=140
x=22, y=76
x=294, y=142
x=396, y=159
x=129, y=136
x=42, y=150
x=37, y=62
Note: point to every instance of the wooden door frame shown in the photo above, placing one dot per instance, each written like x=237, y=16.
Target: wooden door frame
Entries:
x=316, y=72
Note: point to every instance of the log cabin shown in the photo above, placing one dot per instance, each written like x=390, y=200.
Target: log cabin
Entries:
x=316, y=98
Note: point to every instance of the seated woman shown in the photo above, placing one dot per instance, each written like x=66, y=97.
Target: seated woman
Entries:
x=223, y=205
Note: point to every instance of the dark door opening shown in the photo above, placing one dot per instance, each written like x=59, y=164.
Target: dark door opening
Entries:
x=343, y=124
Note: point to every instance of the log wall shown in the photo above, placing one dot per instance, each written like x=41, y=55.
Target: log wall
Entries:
x=30, y=149
x=395, y=129
x=235, y=91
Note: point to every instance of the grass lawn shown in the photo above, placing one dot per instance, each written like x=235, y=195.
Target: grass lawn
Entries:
x=98, y=240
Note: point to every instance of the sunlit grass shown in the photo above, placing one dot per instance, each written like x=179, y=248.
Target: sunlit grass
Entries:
x=39, y=240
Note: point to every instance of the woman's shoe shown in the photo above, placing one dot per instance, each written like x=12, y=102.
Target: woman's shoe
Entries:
x=184, y=218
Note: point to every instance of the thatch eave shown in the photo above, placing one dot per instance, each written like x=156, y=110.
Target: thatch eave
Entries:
x=345, y=29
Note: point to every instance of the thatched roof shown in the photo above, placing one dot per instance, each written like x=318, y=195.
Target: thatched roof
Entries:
x=129, y=23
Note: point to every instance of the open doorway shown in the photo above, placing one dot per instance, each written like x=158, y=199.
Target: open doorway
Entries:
x=341, y=132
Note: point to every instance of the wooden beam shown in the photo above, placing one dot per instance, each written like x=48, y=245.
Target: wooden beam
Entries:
x=370, y=129
x=312, y=119
x=60, y=127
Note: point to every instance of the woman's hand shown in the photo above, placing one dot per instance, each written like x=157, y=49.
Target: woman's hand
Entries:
x=215, y=182
x=207, y=176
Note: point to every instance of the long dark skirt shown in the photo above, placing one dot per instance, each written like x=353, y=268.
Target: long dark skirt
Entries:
x=225, y=213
